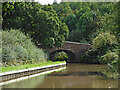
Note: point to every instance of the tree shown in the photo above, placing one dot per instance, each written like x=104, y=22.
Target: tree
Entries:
x=50, y=30
x=86, y=19
x=117, y=8
x=41, y=22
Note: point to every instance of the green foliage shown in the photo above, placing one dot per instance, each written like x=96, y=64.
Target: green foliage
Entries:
x=117, y=20
x=60, y=56
x=108, y=73
x=107, y=23
x=109, y=57
x=104, y=41
x=70, y=20
x=105, y=47
x=77, y=36
x=85, y=19
x=8, y=54
x=118, y=31
x=0, y=20
x=49, y=25
x=18, y=49
x=112, y=60
x=41, y=22
x=20, y=67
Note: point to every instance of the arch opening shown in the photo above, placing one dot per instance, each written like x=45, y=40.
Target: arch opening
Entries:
x=71, y=56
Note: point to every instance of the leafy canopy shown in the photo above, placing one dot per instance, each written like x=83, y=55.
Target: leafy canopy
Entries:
x=41, y=22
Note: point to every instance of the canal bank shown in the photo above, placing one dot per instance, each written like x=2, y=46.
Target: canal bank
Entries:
x=13, y=76
x=74, y=76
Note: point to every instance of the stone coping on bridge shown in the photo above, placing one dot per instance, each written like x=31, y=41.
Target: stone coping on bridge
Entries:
x=77, y=43
x=73, y=43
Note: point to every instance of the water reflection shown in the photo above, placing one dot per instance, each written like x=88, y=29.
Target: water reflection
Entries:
x=75, y=76
x=28, y=83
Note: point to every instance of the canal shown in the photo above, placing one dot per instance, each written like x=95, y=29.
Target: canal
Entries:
x=74, y=76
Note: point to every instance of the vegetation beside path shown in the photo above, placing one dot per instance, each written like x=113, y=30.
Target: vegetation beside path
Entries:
x=19, y=52
x=27, y=66
x=18, y=49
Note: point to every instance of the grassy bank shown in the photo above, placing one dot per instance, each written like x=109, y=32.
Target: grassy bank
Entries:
x=11, y=68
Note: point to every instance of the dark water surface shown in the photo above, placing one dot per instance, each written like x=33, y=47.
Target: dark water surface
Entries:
x=74, y=76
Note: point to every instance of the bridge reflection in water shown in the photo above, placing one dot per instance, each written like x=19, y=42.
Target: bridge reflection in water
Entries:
x=75, y=76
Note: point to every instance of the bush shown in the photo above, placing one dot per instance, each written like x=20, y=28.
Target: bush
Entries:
x=61, y=56
x=101, y=46
x=103, y=40
x=18, y=49
x=8, y=54
x=105, y=47
x=109, y=57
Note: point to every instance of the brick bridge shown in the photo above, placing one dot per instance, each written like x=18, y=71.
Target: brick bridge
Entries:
x=73, y=49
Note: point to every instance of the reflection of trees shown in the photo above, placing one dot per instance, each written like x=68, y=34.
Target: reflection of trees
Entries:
x=105, y=83
x=28, y=83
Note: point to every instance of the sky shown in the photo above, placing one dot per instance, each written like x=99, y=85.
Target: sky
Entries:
x=43, y=2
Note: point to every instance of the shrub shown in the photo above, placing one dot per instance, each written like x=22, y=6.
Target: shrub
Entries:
x=109, y=57
x=104, y=39
x=8, y=54
x=22, y=53
x=104, y=42
x=17, y=49
x=106, y=48
x=61, y=56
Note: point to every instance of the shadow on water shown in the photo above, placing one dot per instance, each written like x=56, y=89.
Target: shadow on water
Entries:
x=76, y=74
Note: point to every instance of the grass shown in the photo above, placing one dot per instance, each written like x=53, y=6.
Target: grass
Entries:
x=61, y=70
x=14, y=68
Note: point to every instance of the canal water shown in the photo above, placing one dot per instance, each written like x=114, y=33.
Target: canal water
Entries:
x=74, y=76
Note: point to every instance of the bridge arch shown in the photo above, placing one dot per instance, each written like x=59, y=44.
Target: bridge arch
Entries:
x=71, y=55
x=74, y=50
